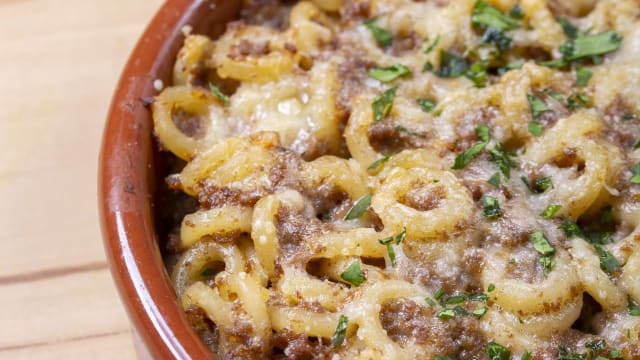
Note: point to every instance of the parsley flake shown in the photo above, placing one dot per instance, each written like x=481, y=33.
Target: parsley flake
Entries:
x=383, y=37
x=583, y=76
x=480, y=311
x=526, y=356
x=446, y=314
x=608, y=263
x=383, y=104
x=550, y=211
x=634, y=309
x=491, y=288
x=433, y=45
x=389, y=73
x=426, y=104
x=497, y=351
x=485, y=15
x=451, y=65
x=503, y=160
x=535, y=128
x=494, y=179
x=216, y=91
x=542, y=246
x=568, y=28
x=341, y=331
x=359, y=208
x=537, y=106
x=635, y=179
x=376, y=164
x=354, y=274
x=478, y=74
x=583, y=45
x=490, y=207
x=571, y=229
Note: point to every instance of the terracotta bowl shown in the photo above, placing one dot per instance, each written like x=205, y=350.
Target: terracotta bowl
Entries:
x=130, y=175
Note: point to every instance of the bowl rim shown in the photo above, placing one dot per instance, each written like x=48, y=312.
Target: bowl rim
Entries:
x=126, y=184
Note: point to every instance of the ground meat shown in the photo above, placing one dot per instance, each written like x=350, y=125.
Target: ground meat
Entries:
x=354, y=11
x=406, y=322
x=623, y=126
x=205, y=328
x=270, y=13
x=288, y=345
x=189, y=124
x=422, y=199
x=292, y=228
x=388, y=138
x=406, y=42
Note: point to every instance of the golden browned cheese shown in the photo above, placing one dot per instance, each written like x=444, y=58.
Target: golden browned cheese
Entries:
x=397, y=179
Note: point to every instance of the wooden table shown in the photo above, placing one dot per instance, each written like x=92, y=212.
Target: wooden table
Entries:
x=59, y=64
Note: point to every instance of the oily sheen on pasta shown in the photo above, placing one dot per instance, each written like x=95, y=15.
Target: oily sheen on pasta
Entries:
x=398, y=179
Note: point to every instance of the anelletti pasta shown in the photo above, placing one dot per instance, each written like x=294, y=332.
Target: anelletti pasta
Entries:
x=398, y=179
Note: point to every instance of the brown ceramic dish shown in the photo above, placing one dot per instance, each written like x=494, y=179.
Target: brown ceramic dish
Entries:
x=129, y=172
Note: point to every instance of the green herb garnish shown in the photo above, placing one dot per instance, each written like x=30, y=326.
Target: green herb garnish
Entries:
x=452, y=65
x=583, y=76
x=341, y=331
x=537, y=106
x=433, y=45
x=446, y=314
x=568, y=28
x=583, y=45
x=383, y=104
x=382, y=36
x=389, y=73
x=216, y=91
x=635, y=170
x=539, y=186
x=634, y=309
x=478, y=73
x=542, y=246
x=480, y=311
x=503, y=159
x=571, y=229
x=608, y=263
x=354, y=274
x=426, y=104
x=491, y=287
x=526, y=356
x=485, y=15
x=535, y=128
x=550, y=211
x=359, y=208
x=497, y=351
x=376, y=164
x=494, y=179
x=490, y=207
x=465, y=157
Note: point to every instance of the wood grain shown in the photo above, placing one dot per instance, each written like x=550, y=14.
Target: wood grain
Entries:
x=58, y=67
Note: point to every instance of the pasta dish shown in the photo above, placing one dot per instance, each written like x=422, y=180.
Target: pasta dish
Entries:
x=398, y=179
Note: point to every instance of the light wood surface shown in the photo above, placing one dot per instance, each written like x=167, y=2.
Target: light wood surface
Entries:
x=59, y=63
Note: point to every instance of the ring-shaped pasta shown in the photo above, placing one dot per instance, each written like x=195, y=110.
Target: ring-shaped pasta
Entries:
x=252, y=54
x=223, y=220
x=578, y=194
x=238, y=160
x=559, y=288
x=303, y=321
x=309, y=26
x=593, y=279
x=194, y=101
x=193, y=261
x=452, y=208
x=344, y=174
x=191, y=59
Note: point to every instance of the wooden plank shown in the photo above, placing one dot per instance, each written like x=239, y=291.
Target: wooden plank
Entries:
x=59, y=65
x=59, y=309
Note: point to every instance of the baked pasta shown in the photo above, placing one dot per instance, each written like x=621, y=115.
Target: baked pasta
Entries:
x=397, y=179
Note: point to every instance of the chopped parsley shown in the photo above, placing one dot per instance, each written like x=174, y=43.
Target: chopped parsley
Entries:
x=494, y=179
x=550, y=211
x=490, y=207
x=389, y=73
x=497, y=351
x=446, y=314
x=376, y=164
x=537, y=106
x=433, y=45
x=485, y=15
x=503, y=160
x=426, y=104
x=590, y=45
x=563, y=354
x=341, y=331
x=451, y=65
x=634, y=309
x=535, y=128
x=542, y=246
x=583, y=76
x=635, y=170
x=555, y=95
x=526, y=356
x=608, y=263
x=596, y=344
x=491, y=288
x=438, y=294
x=538, y=186
x=516, y=12
x=354, y=274
x=388, y=243
x=478, y=73
x=571, y=229
x=216, y=91
x=578, y=100
x=383, y=104
x=496, y=37
x=568, y=28
x=480, y=311
x=456, y=299
x=428, y=66
x=510, y=66
x=383, y=37
x=359, y=208
x=465, y=157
